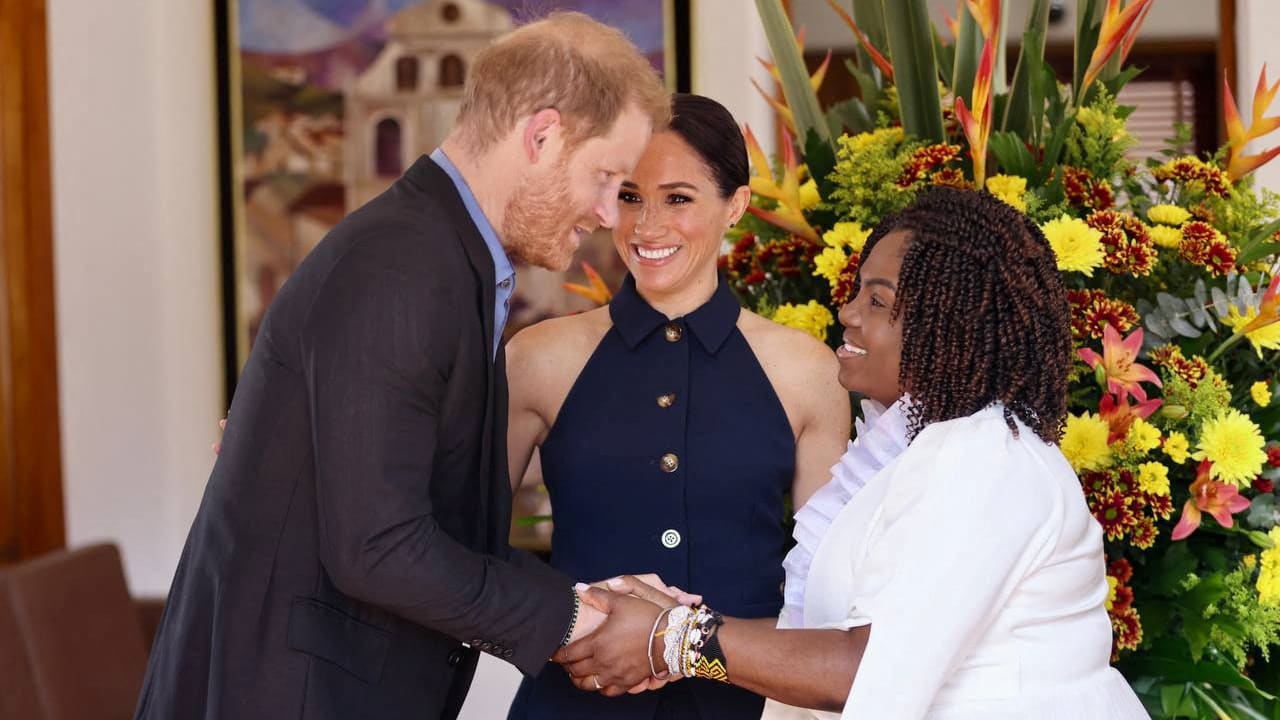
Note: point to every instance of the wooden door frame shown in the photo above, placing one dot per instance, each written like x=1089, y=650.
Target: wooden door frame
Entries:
x=31, y=507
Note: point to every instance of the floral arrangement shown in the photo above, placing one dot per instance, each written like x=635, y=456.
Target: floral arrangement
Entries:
x=1171, y=265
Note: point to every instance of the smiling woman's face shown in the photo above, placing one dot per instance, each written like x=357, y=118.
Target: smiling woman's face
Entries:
x=871, y=356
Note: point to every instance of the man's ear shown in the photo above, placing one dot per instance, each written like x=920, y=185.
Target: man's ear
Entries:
x=542, y=134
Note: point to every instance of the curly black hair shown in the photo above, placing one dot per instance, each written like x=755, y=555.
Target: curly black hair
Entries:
x=984, y=312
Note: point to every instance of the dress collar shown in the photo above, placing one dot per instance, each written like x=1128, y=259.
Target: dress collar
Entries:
x=711, y=323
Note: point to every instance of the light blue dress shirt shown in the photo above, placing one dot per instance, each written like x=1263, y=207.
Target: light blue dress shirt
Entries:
x=503, y=272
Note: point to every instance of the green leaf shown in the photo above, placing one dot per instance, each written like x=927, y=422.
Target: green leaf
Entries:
x=1088, y=27
x=1018, y=113
x=968, y=51
x=821, y=161
x=1011, y=153
x=1198, y=631
x=1053, y=149
x=1116, y=83
x=869, y=88
x=869, y=14
x=915, y=68
x=1209, y=590
x=1177, y=564
x=850, y=115
x=1175, y=700
x=946, y=55
x=801, y=98
x=1180, y=669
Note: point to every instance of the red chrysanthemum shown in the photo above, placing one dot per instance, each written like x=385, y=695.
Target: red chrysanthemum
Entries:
x=951, y=177
x=1115, y=513
x=843, y=290
x=1273, y=455
x=1129, y=247
x=1203, y=245
x=1193, y=170
x=1092, y=310
x=1084, y=191
x=1127, y=629
x=1143, y=533
x=1263, y=485
x=1170, y=357
x=1121, y=570
x=1160, y=505
x=924, y=161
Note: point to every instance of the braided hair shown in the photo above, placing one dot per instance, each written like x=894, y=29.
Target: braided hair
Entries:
x=984, y=312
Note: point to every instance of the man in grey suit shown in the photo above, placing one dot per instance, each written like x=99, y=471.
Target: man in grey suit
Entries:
x=350, y=558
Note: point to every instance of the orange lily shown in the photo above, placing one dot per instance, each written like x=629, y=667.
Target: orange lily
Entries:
x=789, y=215
x=1268, y=309
x=886, y=67
x=1119, y=363
x=1119, y=414
x=1119, y=28
x=596, y=291
x=1239, y=164
x=1219, y=499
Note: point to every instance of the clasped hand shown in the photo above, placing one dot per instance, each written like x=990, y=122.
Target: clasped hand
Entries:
x=613, y=655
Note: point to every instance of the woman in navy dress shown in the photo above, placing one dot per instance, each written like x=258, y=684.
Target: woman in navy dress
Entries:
x=672, y=424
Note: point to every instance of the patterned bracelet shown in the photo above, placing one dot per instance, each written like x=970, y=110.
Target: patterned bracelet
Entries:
x=704, y=623
x=713, y=665
x=674, y=638
x=573, y=619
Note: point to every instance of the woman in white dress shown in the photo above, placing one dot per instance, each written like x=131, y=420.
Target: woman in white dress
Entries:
x=951, y=569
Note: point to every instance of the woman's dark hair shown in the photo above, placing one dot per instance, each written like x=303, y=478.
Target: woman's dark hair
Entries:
x=712, y=133
x=984, y=312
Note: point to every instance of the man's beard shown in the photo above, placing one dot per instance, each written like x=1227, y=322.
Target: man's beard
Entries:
x=536, y=223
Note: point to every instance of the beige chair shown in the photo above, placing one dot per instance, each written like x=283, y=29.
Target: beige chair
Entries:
x=79, y=633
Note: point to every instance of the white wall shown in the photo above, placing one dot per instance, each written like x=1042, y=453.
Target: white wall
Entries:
x=1257, y=22
x=136, y=272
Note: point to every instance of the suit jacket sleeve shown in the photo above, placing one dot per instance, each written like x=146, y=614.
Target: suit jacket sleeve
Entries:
x=377, y=346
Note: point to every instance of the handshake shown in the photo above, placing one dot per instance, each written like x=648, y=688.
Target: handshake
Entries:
x=620, y=642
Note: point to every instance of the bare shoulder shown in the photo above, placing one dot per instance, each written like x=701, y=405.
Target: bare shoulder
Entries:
x=544, y=359
x=796, y=356
x=544, y=346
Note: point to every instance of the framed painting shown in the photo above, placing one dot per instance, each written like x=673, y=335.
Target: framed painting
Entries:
x=323, y=103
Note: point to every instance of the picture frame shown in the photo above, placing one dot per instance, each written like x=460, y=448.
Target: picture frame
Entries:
x=316, y=117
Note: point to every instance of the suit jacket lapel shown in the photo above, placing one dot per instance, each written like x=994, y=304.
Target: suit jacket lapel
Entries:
x=437, y=182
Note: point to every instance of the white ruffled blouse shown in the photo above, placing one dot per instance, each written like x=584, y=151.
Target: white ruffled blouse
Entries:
x=973, y=556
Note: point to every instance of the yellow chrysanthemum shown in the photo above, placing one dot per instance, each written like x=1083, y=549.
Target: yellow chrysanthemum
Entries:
x=1010, y=189
x=1084, y=442
x=1269, y=571
x=1233, y=443
x=809, y=197
x=1266, y=337
x=1153, y=478
x=1142, y=438
x=811, y=317
x=1177, y=447
x=1165, y=237
x=847, y=235
x=828, y=264
x=1077, y=246
x=1261, y=393
x=1112, y=584
x=1168, y=215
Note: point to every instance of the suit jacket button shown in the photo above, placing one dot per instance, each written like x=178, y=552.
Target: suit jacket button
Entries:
x=507, y=653
x=455, y=657
x=669, y=463
x=673, y=332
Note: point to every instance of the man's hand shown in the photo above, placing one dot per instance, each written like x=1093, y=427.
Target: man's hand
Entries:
x=615, y=658
x=589, y=617
x=638, y=584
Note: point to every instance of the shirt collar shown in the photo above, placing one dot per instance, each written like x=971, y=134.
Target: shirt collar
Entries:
x=711, y=323
x=502, y=268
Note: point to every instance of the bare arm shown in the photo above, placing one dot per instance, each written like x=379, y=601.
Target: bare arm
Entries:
x=805, y=668
x=825, y=434
x=525, y=426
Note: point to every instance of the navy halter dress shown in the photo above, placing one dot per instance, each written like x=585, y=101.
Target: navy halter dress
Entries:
x=672, y=454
